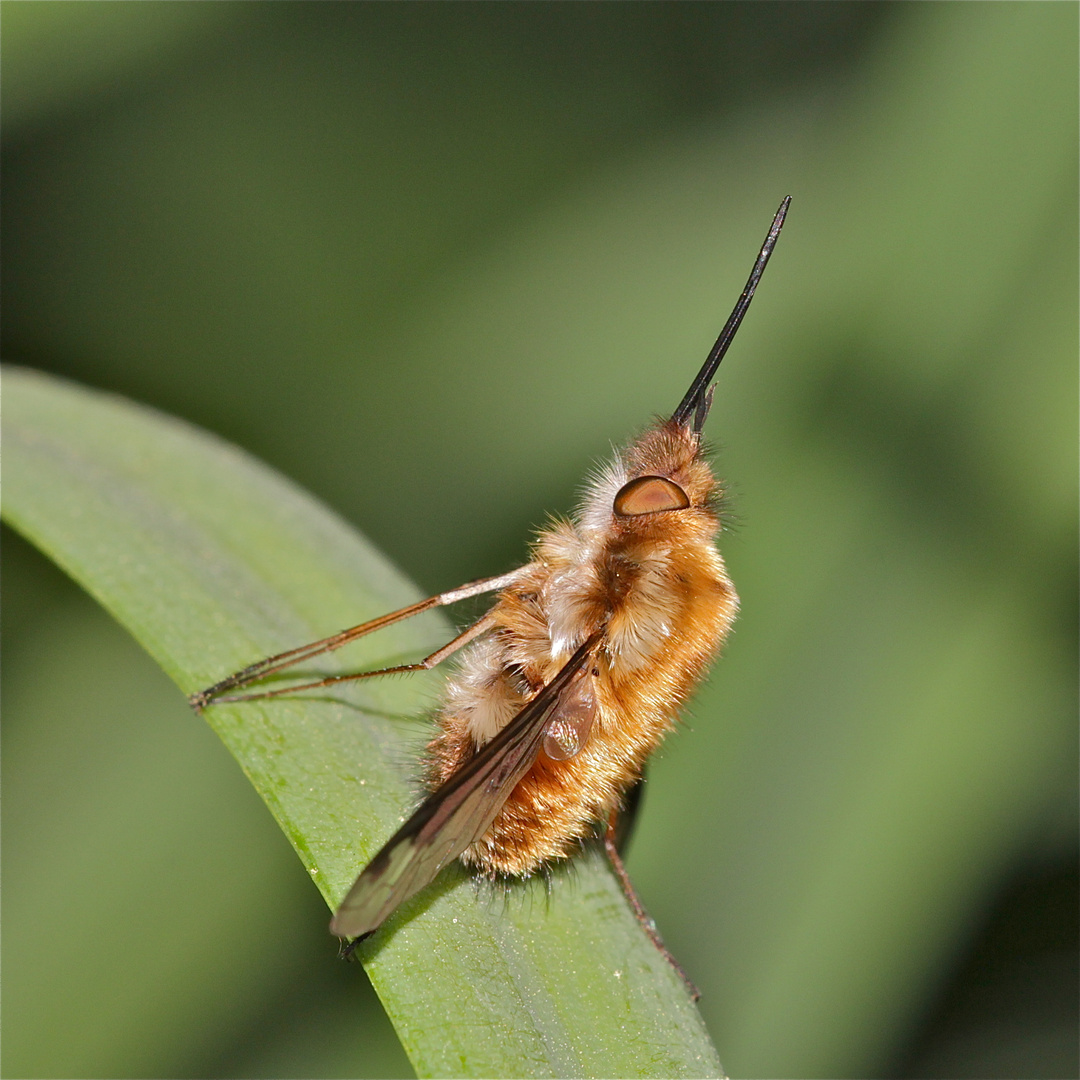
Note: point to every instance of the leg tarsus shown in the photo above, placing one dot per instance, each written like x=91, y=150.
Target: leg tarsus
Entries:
x=348, y=948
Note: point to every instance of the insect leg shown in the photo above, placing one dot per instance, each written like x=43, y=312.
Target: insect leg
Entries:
x=271, y=664
x=626, y=817
x=481, y=626
x=647, y=924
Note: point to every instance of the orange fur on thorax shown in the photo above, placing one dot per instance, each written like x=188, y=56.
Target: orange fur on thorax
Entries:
x=657, y=587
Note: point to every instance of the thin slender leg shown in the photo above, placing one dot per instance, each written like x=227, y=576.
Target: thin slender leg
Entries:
x=479, y=627
x=642, y=915
x=271, y=664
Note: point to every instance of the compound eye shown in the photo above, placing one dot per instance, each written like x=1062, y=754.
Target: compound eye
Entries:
x=649, y=495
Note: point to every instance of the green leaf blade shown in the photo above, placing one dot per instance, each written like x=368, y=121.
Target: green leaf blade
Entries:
x=213, y=561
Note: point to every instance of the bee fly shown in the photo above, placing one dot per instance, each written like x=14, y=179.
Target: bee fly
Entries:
x=573, y=676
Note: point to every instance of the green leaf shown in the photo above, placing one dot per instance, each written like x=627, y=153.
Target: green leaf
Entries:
x=213, y=561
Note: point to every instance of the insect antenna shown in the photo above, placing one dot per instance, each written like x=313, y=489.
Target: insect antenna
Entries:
x=699, y=396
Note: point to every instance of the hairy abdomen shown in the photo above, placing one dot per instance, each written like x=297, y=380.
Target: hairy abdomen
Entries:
x=641, y=675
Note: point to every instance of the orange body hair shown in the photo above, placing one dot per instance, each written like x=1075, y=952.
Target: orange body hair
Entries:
x=655, y=586
x=570, y=680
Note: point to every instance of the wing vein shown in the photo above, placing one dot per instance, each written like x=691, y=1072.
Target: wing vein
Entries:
x=457, y=814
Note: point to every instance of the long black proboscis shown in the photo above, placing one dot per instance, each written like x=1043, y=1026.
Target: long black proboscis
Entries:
x=695, y=404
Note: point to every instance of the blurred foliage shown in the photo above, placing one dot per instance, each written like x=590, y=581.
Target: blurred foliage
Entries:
x=470, y=246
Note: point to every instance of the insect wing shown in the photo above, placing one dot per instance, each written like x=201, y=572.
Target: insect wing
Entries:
x=456, y=815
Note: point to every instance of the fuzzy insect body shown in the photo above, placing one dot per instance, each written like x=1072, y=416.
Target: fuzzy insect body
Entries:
x=574, y=675
x=653, y=586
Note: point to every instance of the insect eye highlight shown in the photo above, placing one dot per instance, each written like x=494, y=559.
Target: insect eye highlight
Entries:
x=649, y=495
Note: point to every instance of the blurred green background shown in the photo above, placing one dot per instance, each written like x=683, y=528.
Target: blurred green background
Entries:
x=431, y=261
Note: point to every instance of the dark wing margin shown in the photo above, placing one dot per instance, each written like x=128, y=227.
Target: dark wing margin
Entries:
x=455, y=815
